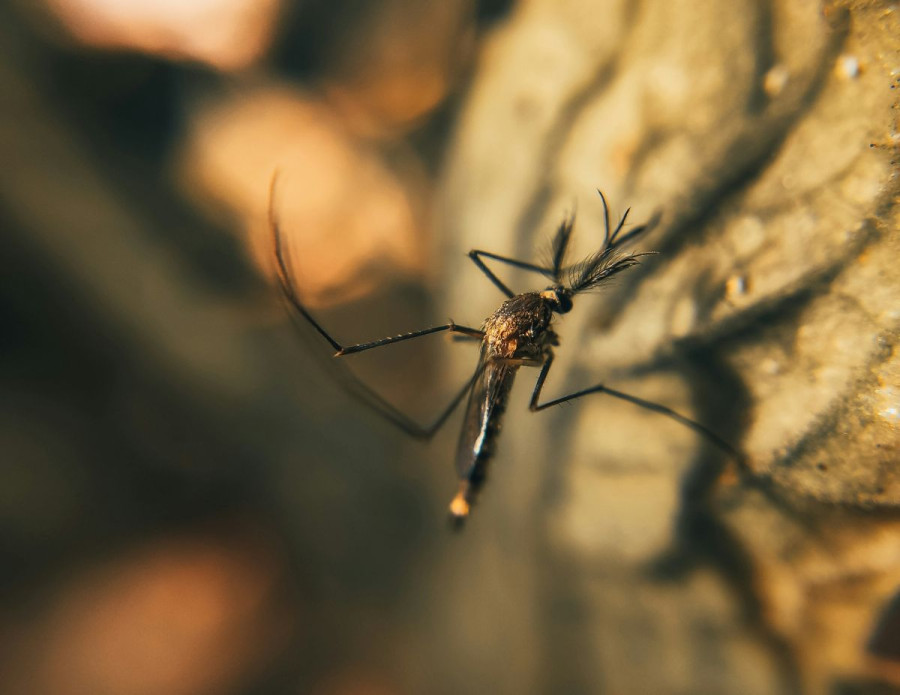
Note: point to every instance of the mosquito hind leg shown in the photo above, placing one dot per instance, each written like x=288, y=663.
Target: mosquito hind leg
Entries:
x=693, y=425
x=428, y=431
x=358, y=389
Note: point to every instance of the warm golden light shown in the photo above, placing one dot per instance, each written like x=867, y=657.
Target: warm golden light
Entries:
x=228, y=34
x=347, y=219
x=180, y=615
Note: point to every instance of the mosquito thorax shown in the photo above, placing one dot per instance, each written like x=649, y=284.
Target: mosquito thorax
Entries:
x=518, y=329
x=560, y=299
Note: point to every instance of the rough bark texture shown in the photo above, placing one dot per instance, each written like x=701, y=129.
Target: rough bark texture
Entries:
x=181, y=485
x=770, y=314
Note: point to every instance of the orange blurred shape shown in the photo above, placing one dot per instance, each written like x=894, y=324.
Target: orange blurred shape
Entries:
x=227, y=34
x=346, y=219
x=183, y=616
x=398, y=61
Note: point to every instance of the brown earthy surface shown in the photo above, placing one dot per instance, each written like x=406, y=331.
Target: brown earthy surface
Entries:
x=771, y=313
x=190, y=504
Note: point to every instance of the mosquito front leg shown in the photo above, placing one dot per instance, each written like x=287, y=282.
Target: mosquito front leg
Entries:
x=464, y=330
x=286, y=282
x=476, y=254
x=353, y=385
x=534, y=406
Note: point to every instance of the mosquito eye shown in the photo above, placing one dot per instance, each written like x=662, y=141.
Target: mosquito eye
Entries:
x=565, y=303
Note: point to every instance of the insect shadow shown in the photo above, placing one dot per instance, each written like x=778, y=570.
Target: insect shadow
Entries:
x=518, y=334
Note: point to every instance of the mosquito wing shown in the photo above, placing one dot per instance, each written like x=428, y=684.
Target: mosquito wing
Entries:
x=484, y=410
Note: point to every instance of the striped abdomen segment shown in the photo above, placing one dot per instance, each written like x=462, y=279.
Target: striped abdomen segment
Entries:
x=484, y=411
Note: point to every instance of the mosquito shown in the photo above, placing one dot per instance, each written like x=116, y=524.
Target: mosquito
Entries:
x=518, y=334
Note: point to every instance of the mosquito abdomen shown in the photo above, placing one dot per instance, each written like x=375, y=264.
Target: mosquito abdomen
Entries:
x=484, y=412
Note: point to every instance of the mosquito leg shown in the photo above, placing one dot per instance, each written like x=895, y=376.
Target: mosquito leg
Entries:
x=285, y=281
x=510, y=261
x=462, y=338
x=539, y=384
x=381, y=407
x=428, y=431
x=476, y=255
x=534, y=406
x=463, y=330
x=353, y=385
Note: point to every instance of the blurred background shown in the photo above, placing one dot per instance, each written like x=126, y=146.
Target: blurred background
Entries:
x=189, y=502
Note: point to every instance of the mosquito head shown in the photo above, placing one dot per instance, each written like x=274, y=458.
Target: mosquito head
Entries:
x=560, y=298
